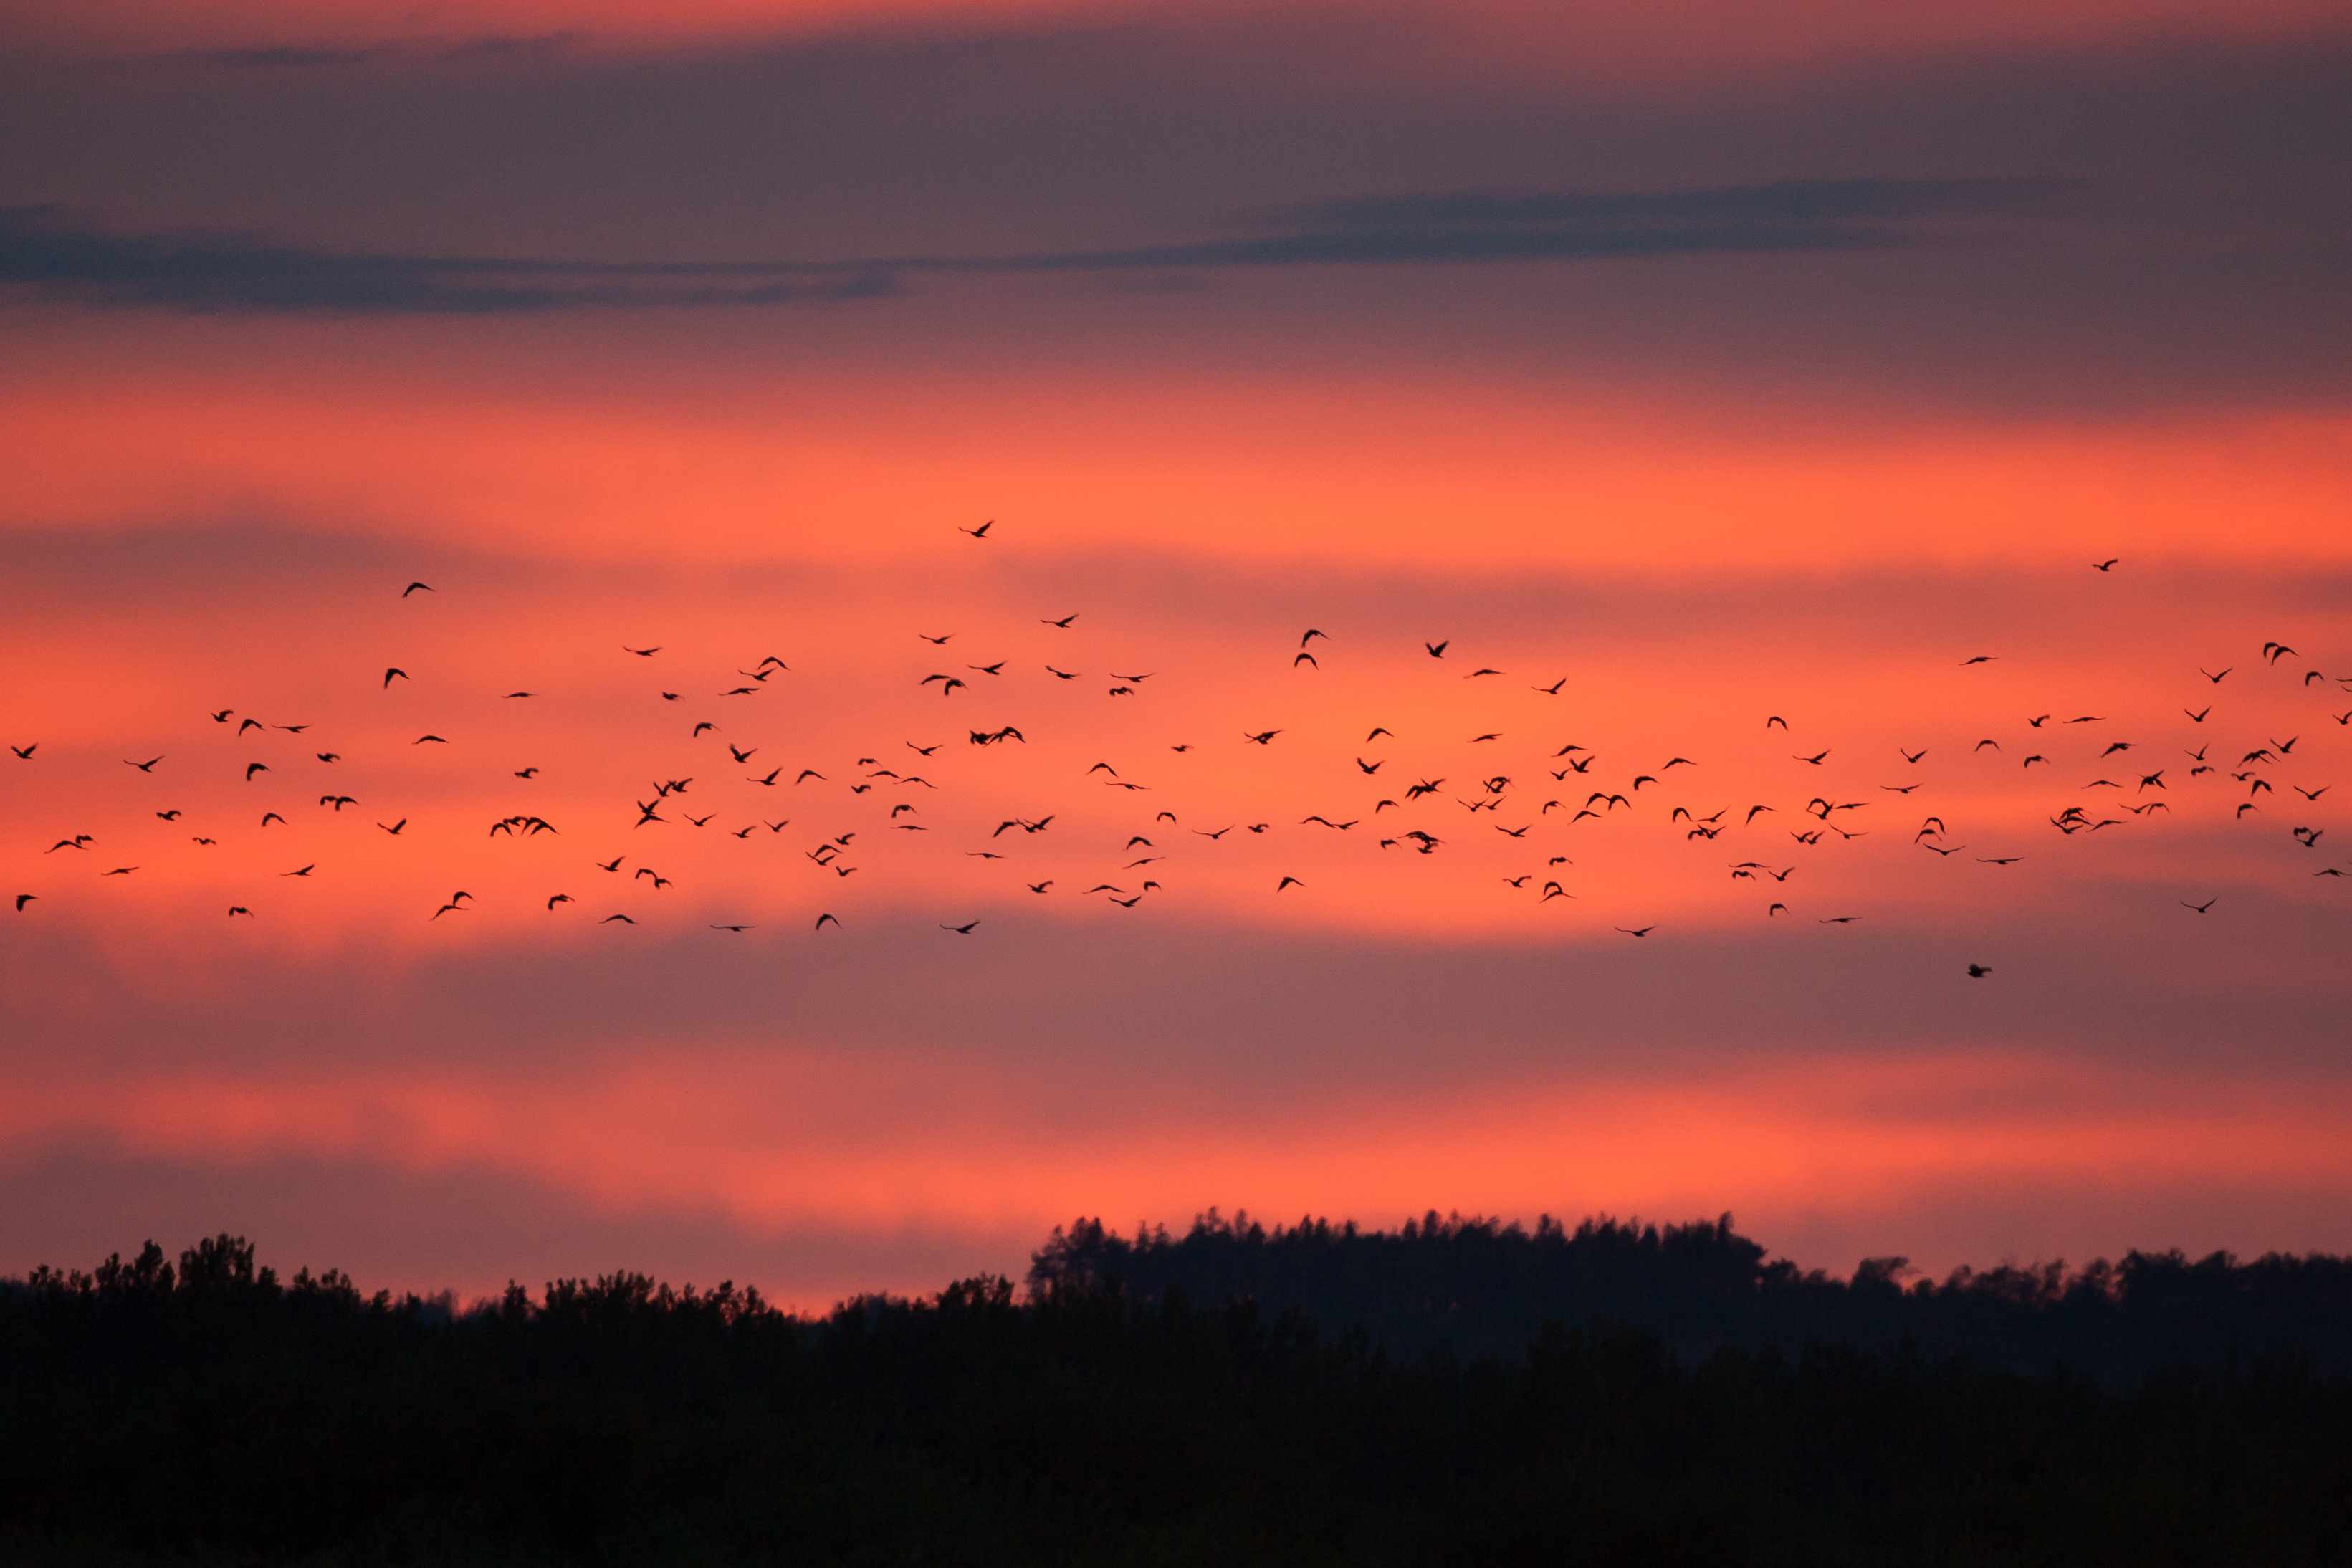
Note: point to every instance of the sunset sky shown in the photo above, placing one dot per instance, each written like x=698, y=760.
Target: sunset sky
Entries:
x=1722, y=362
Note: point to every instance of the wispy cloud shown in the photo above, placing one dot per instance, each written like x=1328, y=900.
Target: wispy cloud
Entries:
x=49, y=252
x=42, y=249
x=289, y=57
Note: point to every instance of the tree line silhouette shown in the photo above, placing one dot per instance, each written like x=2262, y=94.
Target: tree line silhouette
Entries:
x=1459, y=1390
x=1484, y=1287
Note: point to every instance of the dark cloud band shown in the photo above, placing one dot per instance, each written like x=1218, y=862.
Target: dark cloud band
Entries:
x=49, y=252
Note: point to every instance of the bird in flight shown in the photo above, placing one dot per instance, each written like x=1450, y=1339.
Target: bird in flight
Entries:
x=873, y=797
x=416, y=588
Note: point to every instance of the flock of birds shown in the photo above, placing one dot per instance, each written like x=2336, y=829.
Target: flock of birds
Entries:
x=2252, y=776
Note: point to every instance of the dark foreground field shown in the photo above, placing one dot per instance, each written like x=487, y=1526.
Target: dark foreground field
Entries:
x=1457, y=1391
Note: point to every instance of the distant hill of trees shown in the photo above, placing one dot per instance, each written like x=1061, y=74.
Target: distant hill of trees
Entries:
x=1480, y=1286
x=1458, y=1392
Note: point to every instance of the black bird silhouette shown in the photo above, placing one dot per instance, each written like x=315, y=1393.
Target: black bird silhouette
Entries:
x=1437, y=649
x=2202, y=908
x=980, y=533
x=1637, y=930
x=963, y=930
x=146, y=767
x=416, y=587
x=641, y=652
x=1979, y=971
x=394, y=673
x=822, y=918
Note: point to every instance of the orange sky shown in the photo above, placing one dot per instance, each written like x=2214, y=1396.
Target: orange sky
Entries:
x=1743, y=465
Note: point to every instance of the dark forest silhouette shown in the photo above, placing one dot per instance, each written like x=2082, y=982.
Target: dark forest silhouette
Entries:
x=1483, y=1287
x=1459, y=1390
